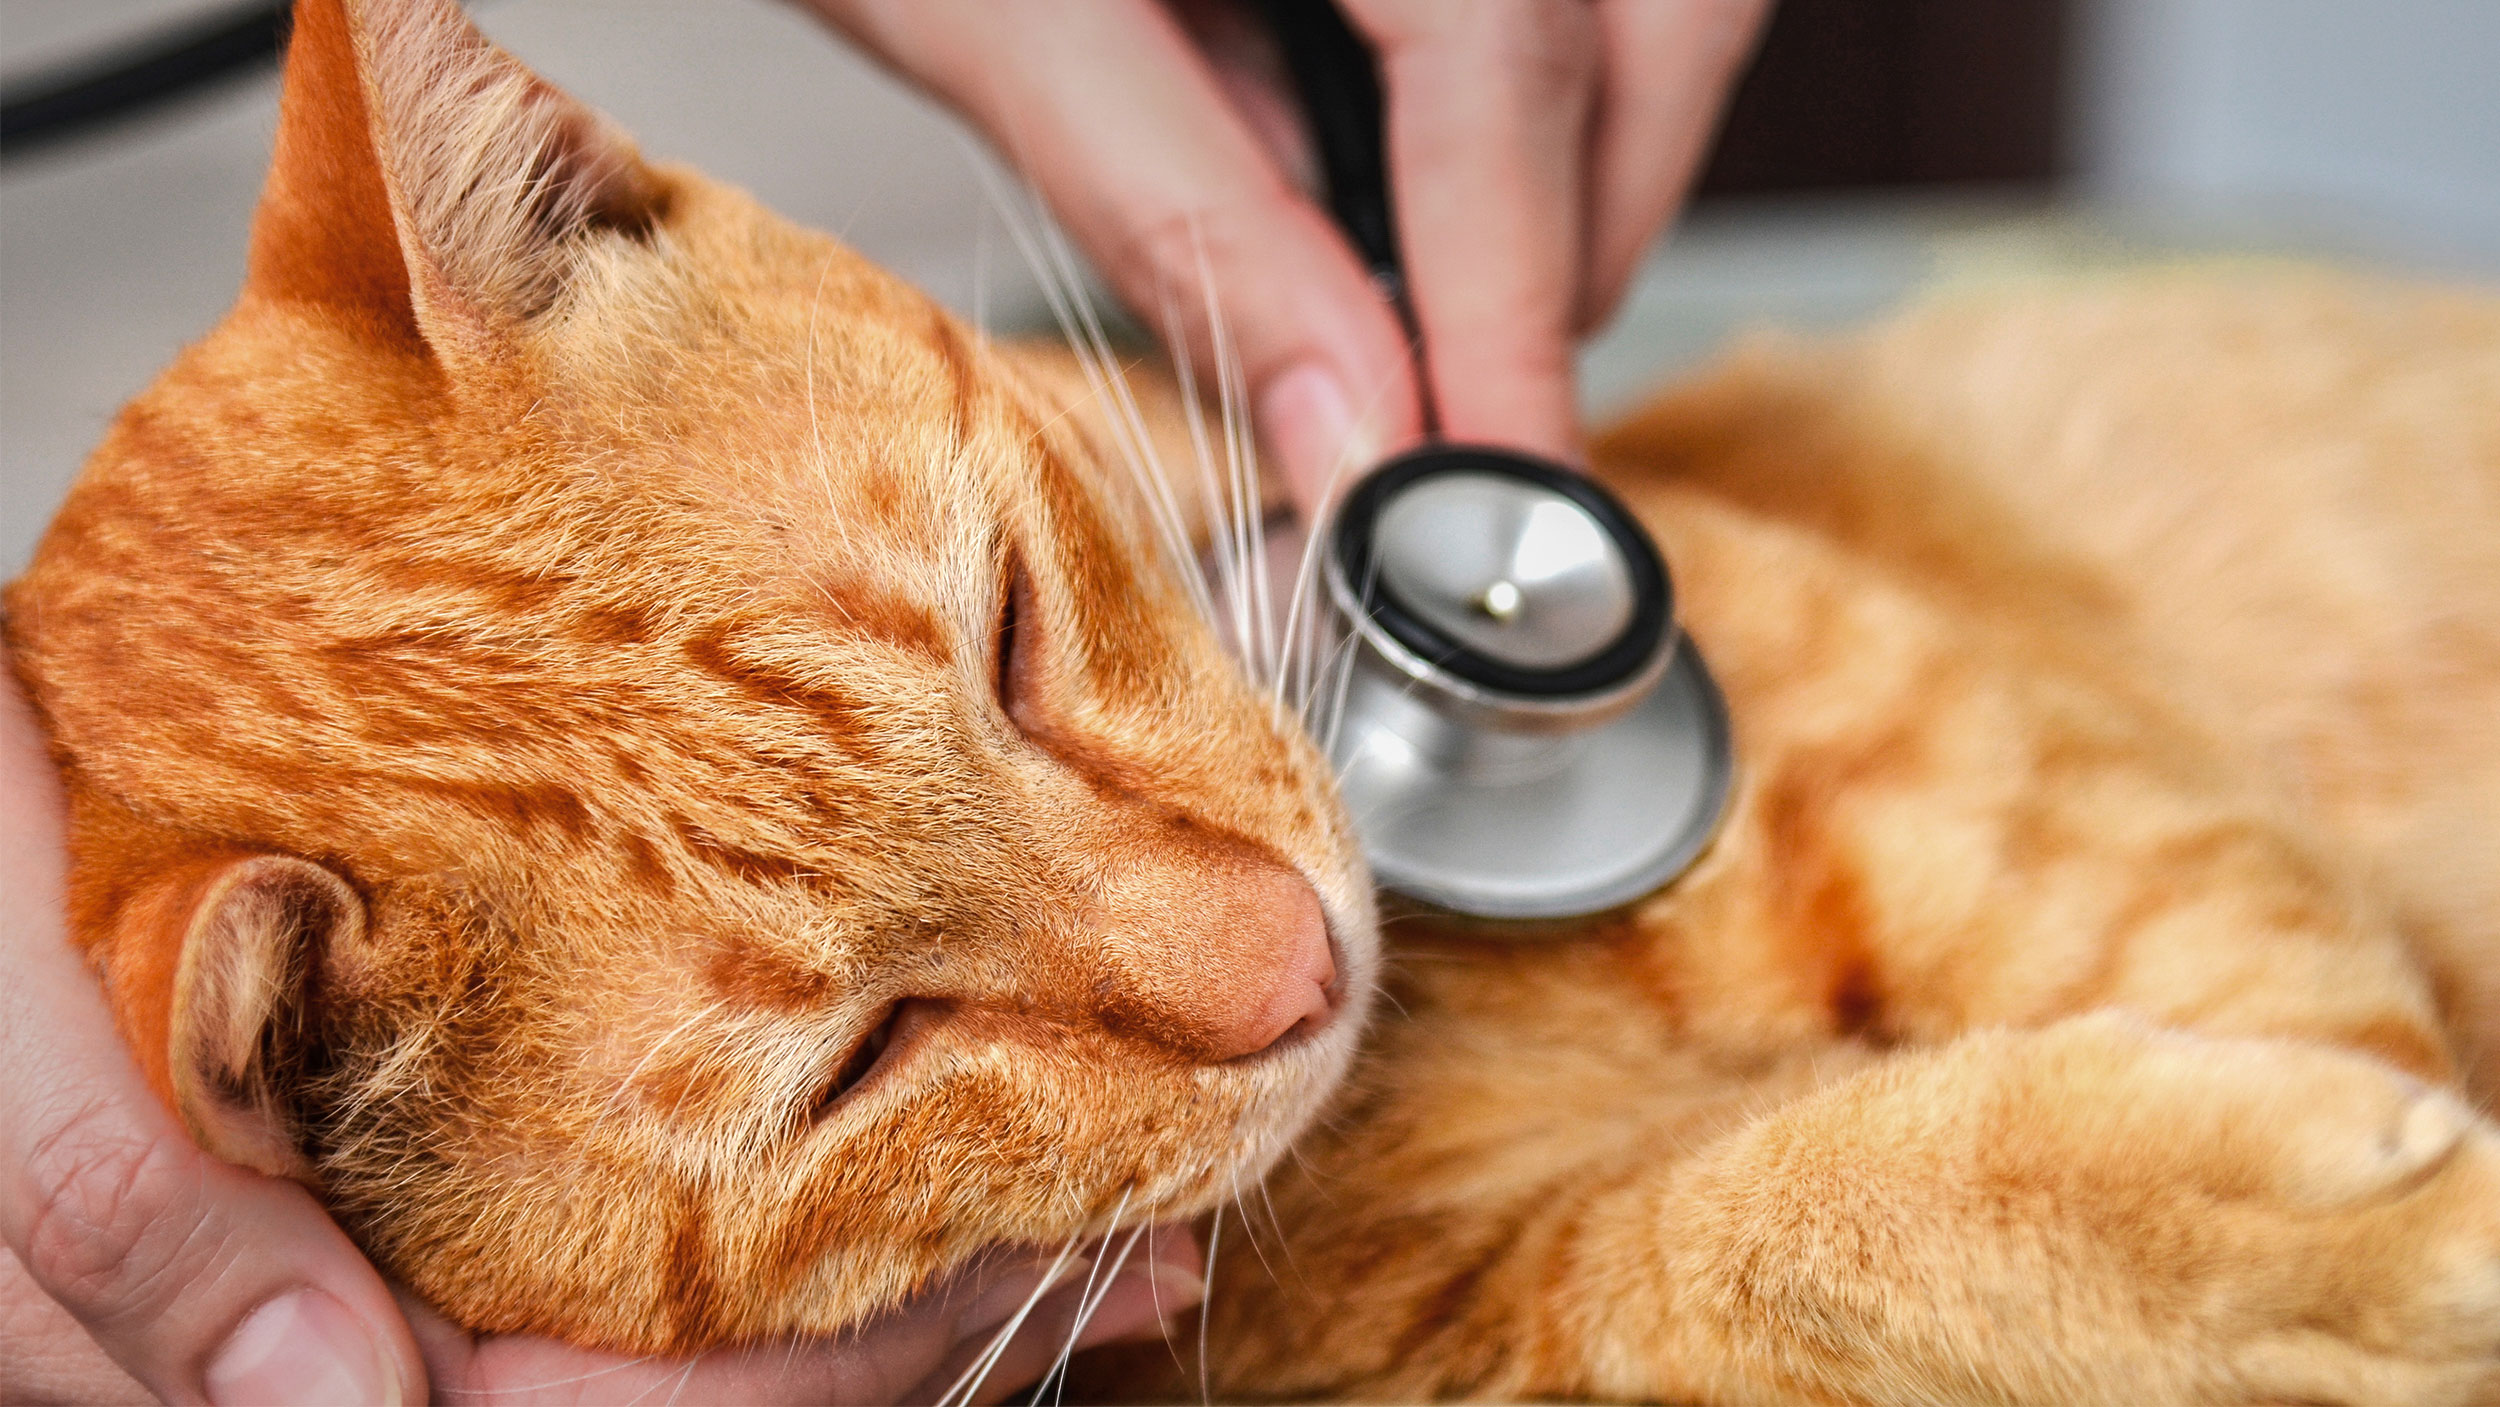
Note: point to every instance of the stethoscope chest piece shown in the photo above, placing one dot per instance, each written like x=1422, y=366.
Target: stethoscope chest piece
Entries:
x=1525, y=733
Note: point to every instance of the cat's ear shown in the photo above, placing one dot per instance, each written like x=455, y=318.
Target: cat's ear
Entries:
x=254, y=933
x=428, y=187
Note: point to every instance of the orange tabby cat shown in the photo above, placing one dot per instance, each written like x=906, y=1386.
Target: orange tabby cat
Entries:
x=660, y=776
x=627, y=750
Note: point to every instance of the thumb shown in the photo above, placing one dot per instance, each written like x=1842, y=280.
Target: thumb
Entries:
x=204, y=1281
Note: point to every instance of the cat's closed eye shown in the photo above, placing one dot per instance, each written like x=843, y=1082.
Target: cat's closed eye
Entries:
x=859, y=1064
x=1013, y=658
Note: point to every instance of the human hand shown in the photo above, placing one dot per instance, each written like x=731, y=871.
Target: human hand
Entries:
x=926, y=1350
x=1535, y=147
x=135, y=1261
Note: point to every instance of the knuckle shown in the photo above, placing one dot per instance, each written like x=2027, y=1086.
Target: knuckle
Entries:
x=1729, y=28
x=1193, y=251
x=1171, y=243
x=1551, y=45
x=1537, y=44
x=113, y=1215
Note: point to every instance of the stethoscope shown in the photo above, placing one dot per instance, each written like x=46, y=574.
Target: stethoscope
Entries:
x=1524, y=733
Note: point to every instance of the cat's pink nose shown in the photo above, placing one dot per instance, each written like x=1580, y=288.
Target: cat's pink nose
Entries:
x=1218, y=962
x=1301, y=975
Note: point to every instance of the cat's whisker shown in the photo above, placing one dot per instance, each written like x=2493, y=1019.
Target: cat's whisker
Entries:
x=1309, y=594
x=1206, y=1301
x=968, y=1384
x=483, y=1394
x=1338, y=673
x=1283, y=656
x=1223, y=521
x=1250, y=1230
x=1091, y=1301
x=649, y=1388
x=789, y=1358
x=1240, y=471
x=1083, y=328
x=1154, y=1288
x=1284, y=1243
x=684, y=1377
x=1309, y=587
x=1340, y=474
x=1192, y=414
x=1303, y=624
x=1054, y=268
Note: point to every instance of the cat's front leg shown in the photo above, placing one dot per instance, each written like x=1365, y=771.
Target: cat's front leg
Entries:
x=2095, y=1212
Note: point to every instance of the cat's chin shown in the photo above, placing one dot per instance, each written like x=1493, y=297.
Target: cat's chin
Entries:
x=1167, y=1187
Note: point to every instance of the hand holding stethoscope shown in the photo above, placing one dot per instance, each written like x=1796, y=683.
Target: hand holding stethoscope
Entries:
x=1525, y=732
x=1537, y=146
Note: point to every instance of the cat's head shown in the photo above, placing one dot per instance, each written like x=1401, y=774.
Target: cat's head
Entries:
x=658, y=772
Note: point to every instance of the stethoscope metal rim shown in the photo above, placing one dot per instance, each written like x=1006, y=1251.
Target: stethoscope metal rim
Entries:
x=1645, y=798
x=1510, y=804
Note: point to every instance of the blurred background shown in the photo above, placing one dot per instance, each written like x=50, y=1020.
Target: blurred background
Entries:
x=1877, y=147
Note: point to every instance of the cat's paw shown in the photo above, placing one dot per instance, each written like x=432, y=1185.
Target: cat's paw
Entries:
x=2360, y=1263
x=2106, y=1212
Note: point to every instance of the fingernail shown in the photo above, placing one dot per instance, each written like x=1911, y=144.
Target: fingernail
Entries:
x=1309, y=422
x=302, y=1347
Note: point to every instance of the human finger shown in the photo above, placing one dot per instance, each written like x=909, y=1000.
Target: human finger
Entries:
x=1666, y=68
x=44, y=1355
x=1488, y=110
x=1125, y=129
x=955, y=1335
x=203, y=1281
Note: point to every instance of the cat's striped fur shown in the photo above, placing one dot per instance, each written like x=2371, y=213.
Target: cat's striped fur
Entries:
x=572, y=657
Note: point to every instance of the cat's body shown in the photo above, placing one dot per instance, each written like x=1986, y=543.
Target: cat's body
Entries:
x=2129, y=648
x=572, y=657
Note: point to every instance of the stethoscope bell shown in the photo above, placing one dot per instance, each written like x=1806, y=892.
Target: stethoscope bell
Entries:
x=1525, y=733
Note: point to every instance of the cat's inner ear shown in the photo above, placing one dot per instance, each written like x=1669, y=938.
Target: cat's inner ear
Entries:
x=238, y=1042
x=426, y=184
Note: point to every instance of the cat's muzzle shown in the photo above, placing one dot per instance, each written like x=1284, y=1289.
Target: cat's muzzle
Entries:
x=1524, y=733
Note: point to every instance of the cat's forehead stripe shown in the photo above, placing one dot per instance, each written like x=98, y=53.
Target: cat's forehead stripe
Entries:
x=715, y=651
x=956, y=358
x=754, y=975
x=750, y=865
x=891, y=618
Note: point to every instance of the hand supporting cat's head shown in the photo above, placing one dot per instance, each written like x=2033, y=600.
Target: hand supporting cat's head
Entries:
x=651, y=768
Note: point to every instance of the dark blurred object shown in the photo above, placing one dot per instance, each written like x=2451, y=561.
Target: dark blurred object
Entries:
x=1843, y=94
x=1853, y=94
x=191, y=57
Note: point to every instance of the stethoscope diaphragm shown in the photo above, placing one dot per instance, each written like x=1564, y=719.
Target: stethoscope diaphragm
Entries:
x=1524, y=732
